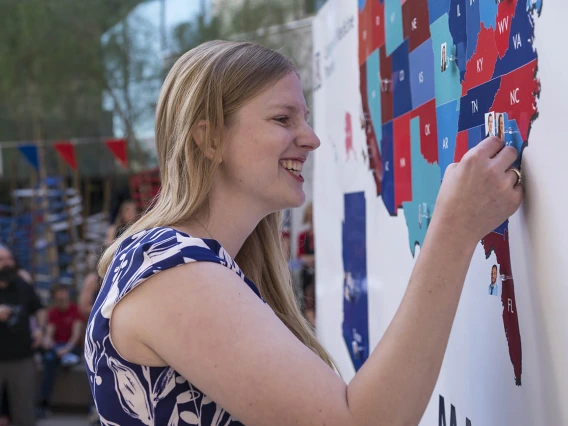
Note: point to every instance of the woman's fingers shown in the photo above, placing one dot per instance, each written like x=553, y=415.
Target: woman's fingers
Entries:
x=513, y=176
x=506, y=157
x=490, y=147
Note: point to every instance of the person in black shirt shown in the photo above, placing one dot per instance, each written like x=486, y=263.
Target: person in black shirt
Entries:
x=18, y=302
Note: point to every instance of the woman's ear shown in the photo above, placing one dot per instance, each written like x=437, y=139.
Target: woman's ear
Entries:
x=200, y=137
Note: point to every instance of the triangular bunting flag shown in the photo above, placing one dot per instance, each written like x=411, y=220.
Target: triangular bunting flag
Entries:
x=30, y=152
x=118, y=148
x=67, y=151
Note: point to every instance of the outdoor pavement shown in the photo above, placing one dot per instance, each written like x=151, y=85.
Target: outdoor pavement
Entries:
x=64, y=420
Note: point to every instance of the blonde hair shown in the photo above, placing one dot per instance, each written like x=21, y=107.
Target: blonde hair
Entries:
x=211, y=82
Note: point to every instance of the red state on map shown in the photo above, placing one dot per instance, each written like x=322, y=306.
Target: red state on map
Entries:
x=479, y=69
x=375, y=160
x=371, y=30
x=364, y=30
x=505, y=13
x=428, y=130
x=377, y=24
x=461, y=146
x=516, y=96
x=499, y=243
x=415, y=22
x=402, y=160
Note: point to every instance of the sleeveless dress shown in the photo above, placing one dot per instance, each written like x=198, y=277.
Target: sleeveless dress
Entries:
x=130, y=394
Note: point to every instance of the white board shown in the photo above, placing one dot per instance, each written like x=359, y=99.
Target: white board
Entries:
x=477, y=374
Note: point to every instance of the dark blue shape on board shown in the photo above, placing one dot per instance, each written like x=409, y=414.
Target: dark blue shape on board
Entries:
x=355, y=300
x=476, y=103
x=436, y=8
x=520, y=51
x=457, y=22
x=401, y=80
x=387, y=154
x=473, y=26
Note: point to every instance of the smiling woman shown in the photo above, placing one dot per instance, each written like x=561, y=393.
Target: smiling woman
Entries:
x=196, y=322
x=232, y=136
x=294, y=166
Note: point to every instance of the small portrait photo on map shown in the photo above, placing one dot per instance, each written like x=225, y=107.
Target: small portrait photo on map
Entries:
x=493, y=289
x=444, y=60
x=353, y=287
x=489, y=124
x=356, y=346
x=500, y=125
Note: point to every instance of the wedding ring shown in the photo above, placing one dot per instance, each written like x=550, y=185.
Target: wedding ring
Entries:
x=518, y=173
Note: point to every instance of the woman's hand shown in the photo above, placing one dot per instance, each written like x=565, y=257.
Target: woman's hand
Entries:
x=479, y=194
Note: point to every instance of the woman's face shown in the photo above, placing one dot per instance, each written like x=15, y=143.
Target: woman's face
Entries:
x=267, y=143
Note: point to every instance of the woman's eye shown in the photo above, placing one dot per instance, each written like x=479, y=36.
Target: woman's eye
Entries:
x=282, y=119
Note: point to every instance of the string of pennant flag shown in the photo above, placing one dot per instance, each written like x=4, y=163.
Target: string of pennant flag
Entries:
x=66, y=150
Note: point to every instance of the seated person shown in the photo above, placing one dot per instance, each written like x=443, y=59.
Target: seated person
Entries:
x=62, y=337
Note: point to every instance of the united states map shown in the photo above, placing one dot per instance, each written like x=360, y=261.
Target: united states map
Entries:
x=437, y=77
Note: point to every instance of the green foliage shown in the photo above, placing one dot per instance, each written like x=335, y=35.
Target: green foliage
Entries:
x=252, y=15
x=240, y=20
x=62, y=60
x=190, y=34
x=51, y=67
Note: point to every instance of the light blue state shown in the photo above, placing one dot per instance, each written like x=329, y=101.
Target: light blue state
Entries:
x=448, y=87
x=447, y=119
x=374, y=94
x=422, y=74
x=488, y=13
x=393, y=25
x=425, y=187
x=513, y=138
x=534, y=5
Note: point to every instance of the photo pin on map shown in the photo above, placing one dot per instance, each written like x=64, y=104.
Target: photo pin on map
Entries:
x=452, y=58
x=386, y=84
x=423, y=214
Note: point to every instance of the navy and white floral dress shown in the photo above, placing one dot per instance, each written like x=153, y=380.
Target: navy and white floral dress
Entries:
x=130, y=394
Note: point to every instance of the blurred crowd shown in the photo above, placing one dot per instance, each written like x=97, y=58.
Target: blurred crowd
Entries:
x=39, y=341
x=302, y=264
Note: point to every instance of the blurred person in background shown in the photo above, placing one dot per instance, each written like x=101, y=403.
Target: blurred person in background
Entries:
x=89, y=291
x=18, y=303
x=90, y=288
x=62, y=341
x=286, y=244
x=306, y=255
x=126, y=216
x=36, y=335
